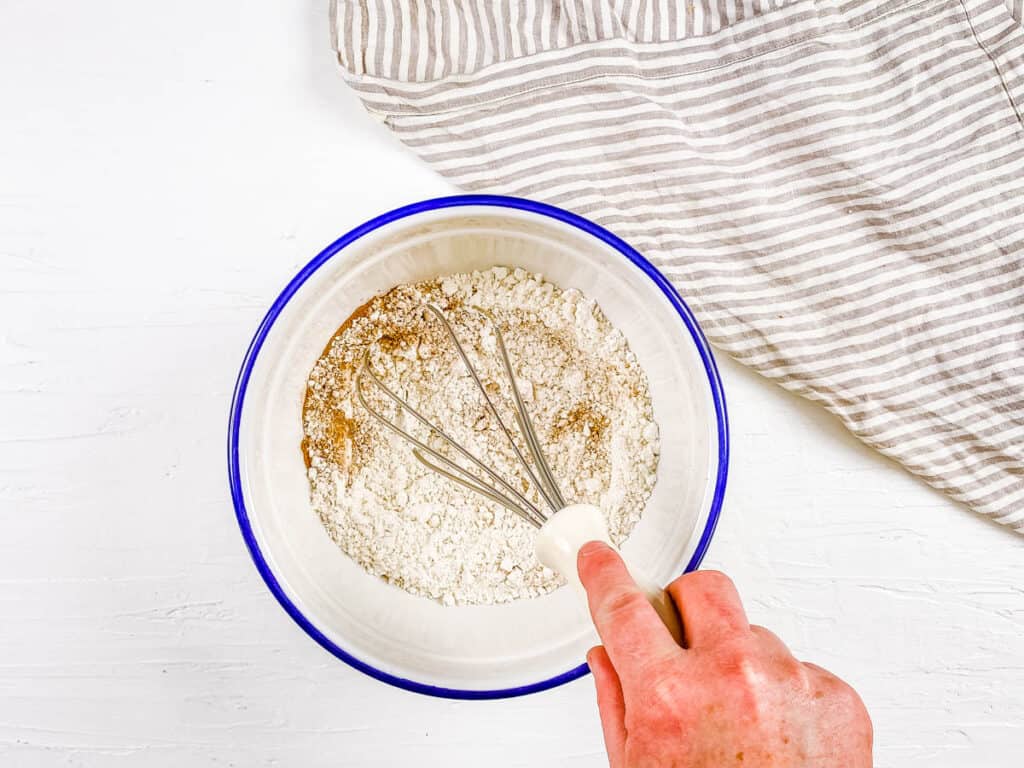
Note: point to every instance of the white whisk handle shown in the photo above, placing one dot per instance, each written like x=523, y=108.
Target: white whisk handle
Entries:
x=559, y=541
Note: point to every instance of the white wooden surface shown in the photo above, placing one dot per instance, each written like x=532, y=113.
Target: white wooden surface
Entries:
x=164, y=169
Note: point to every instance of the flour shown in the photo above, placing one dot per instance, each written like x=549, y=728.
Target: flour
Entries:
x=584, y=390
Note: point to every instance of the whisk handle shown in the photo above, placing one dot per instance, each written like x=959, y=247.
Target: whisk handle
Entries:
x=559, y=540
x=660, y=601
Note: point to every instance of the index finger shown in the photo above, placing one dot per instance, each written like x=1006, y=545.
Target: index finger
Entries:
x=630, y=628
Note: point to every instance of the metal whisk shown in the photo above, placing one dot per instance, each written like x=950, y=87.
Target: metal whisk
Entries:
x=496, y=488
x=564, y=529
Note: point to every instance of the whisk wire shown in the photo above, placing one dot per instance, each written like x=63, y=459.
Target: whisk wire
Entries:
x=553, y=500
x=526, y=427
x=472, y=483
x=383, y=420
x=542, y=478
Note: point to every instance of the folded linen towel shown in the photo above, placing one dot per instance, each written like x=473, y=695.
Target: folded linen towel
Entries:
x=835, y=186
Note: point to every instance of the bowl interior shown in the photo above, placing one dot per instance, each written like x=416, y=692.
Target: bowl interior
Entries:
x=470, y=648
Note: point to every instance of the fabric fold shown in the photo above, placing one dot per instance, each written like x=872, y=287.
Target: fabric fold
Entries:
x=835, y=186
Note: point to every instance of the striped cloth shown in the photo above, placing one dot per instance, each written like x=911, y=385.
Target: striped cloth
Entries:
x=836, y=186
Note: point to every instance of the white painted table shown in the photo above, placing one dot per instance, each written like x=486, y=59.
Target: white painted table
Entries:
x=164, y=169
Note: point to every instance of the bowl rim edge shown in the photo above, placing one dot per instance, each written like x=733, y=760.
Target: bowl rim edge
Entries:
x=437, y=203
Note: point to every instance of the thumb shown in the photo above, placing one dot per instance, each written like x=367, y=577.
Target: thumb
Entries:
x=611, y=704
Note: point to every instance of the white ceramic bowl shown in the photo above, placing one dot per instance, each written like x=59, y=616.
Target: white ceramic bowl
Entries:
x=412, y=642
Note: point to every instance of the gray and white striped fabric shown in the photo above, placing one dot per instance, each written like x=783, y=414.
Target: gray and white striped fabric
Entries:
x=835, y=186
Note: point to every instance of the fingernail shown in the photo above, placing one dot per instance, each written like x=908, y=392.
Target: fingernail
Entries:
x=592, y=548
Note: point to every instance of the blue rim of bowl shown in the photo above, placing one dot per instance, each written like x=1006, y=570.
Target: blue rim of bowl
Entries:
x=455, y=201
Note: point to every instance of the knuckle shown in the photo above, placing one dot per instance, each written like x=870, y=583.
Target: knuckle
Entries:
x=851, y=699
x=736, y=661
x=748, y=685
x=623, y=605
x=785, y=667
x=843, y=695
x=766, y=636
x=667, y=688
x=792, y=669
x=666, y=696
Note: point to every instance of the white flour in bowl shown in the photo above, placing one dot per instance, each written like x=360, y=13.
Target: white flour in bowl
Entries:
x=585, y=392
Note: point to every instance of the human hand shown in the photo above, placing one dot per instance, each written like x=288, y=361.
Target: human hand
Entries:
x=734, y=696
